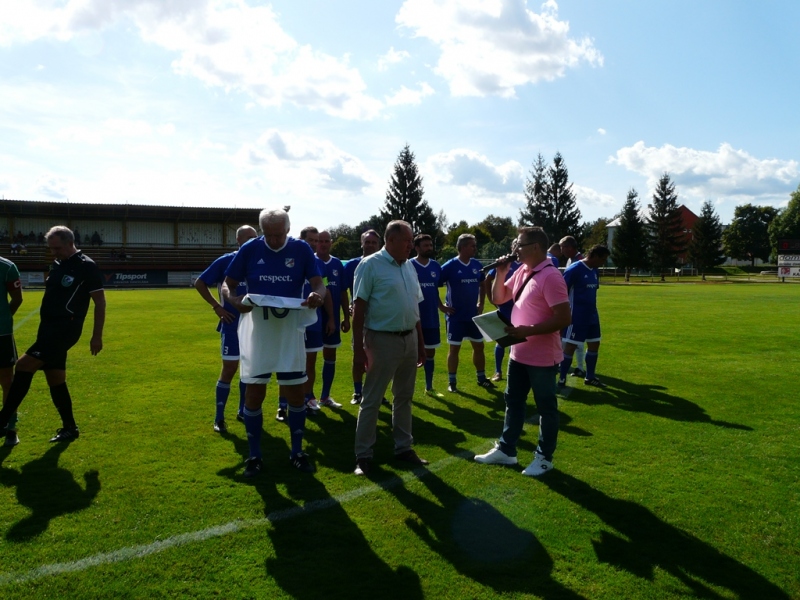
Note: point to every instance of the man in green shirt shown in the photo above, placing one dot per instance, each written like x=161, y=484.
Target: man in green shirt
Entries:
x=12, y=298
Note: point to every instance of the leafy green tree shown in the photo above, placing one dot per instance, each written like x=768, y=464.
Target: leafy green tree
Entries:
x=405, y=197
x=665, y=227
x=550, y=200
x=747, y=237
x=498, y=228
x=787, y=224
x=705, y=249
x=593, y=233
x=629, y=244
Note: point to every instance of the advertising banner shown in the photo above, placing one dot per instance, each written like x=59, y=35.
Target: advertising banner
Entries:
x=135, y=278
x=788, y=271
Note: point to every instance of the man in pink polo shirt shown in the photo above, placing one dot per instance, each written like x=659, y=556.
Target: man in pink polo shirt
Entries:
x=541, y=310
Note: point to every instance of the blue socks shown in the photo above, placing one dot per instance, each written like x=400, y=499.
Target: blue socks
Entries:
x=242, y=389
x=565, y=366
x=253, y=424
x=499, y=353
x=297, y=427
x=428, y=373
x=481, y=376
x=451, y=378
x=591, y=365
x=283, y=402
x=222, y=392
x=357, y=387
x=328, y=371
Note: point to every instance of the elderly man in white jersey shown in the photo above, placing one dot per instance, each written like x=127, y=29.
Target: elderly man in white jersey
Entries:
x=274, y=265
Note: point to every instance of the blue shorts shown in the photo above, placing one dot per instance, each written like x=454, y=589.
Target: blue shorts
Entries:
x=229, y=347
x=313, y=341
x=432, y=337
x=292, y=378
x=458, y=331
x=582, y=331
x=334, y=340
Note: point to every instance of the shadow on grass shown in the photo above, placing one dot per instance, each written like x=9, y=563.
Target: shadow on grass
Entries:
x=651, y=399
x=643, y=542
x=319, y=552
x=47, y=490
x=480, y=542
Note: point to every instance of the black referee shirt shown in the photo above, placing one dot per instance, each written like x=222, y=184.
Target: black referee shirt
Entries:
x=66, y=294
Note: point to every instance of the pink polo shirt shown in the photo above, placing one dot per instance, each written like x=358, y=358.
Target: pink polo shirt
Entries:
x=545, y=290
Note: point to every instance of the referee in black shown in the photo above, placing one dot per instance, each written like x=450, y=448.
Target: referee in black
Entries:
x=74, y=279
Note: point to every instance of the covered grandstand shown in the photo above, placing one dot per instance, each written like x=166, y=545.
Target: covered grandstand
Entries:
x=134, y=245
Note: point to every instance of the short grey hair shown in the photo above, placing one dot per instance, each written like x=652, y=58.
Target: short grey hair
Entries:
x=395, y=227
x=463, y=239
x=275, y=214
x=368, y=233
x=62, y=232
x=244, y=228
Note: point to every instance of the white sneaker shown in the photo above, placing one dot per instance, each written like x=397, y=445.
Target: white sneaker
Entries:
x=330, y=403
x=538, y=467
x=495, y=456
x=312, y=404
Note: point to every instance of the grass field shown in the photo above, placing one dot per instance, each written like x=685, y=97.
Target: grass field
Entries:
x=680, y=480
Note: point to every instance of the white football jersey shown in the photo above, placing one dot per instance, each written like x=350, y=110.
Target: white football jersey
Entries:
x=272, y=340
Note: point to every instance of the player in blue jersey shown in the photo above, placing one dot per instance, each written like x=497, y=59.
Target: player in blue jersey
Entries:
x=333, y=276
x=505, y=310
x=228, y=322
x=277, y=265
x=570, y=254
x=370, y=244
x=463, y=277
x=555, y=255
x=582, y=278
x=428, y=272
x=315, y=332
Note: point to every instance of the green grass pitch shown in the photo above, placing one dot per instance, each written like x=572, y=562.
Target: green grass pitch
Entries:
x=678, y=481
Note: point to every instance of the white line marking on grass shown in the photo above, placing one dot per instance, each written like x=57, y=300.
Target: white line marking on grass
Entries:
x=25, y=319
x=133, y=552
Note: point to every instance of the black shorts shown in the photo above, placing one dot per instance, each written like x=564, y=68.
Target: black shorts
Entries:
x=53, y=341
x=8, y=351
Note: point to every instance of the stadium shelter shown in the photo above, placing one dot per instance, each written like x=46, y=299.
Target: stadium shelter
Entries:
x=134, y=245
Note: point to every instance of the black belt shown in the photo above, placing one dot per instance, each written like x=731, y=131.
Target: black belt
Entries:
x=400, y=333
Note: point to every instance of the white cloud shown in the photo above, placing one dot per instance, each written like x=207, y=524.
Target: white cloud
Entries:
x=461, y=167
x=294, y=162
x=726, y=172
x=491, y=47
x=52, y=186
x=588, y=196
x=392, y=57
x=601, y=131
x=224, y=43
x=407, y=96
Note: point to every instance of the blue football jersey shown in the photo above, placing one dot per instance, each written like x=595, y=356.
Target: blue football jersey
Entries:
x=350, y=273
x=214, y=275
x=429, y=276
x=582, y=283
x=505, y=308
x=463, y=283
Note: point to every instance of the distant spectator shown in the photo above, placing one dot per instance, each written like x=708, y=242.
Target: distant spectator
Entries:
x=14, y=248
x=40, y=238
x=96, y=239
x=77, y=238
x=22, y=249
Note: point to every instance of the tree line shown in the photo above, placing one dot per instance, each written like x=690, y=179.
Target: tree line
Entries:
x=654, y=239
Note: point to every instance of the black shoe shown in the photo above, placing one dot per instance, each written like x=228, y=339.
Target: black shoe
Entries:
x=562, y=382
x=220, y=426
x=452, y=388
x=240, y=417
x=281, y=416
x=301, y=463
x=410, y=456
x=486, y=384
x=12, y=439
x=385, y=402
x=363, y=466
x=252, y=467
x=357, y=398
x=595, y=383
x=66, y=434
x=579, y=373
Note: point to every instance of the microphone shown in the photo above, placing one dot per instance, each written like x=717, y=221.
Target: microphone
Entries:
x=500, y=261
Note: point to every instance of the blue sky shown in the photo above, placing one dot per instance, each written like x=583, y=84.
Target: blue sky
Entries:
x=251, y=104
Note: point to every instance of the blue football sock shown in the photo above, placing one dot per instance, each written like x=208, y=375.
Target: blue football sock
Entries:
x=223, y=390
x=481, y=376
x=565, y=366
x=253, y=424
x=309, y=396
x=328, y=372
x=499, y=353
x=283, y=402
x=451, y=378
x=297, y=427
x=242, y=390
x=357, y=387
x=591, y=364
x=428, y=373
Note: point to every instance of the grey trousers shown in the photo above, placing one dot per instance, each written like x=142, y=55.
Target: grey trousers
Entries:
x=391, y=358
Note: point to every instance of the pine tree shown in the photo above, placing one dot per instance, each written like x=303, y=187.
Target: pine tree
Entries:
x=550, y=200
x=404, y=198
x=705, y=250
x=629, y=244
x=665, y=227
